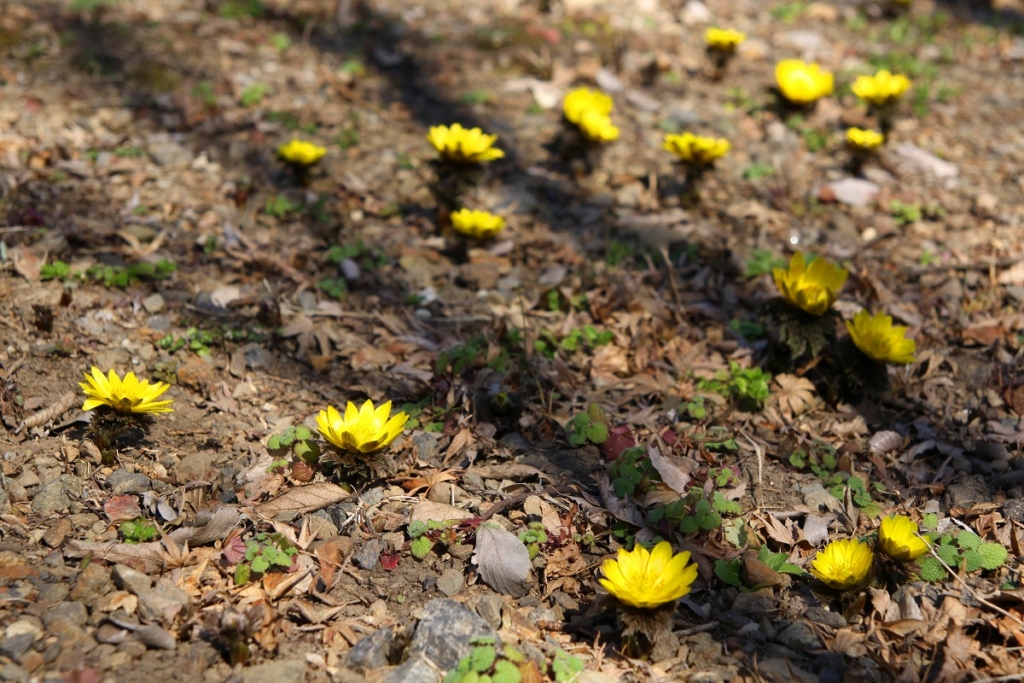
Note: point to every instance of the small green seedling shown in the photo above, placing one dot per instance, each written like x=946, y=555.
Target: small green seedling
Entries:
x=423, y=536
x=138, y=531
x=297, y=440
x=905, y=212
x=489, y=663
x=264, y=552
x=820, y=458
x=696, y=512
x=534, y=536
x=590, y=426
x=963, y=550
x=279, y=206
x=729, y=570
x=58, y=270
x=838, y=483
x=747, y=386
x=253, y=94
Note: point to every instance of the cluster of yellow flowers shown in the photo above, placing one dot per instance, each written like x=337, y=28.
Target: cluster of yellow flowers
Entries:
x=464, y=145
x=590, y=111
x=846, y=564
x=814, y=288
x=360, y=430
x=647, y=580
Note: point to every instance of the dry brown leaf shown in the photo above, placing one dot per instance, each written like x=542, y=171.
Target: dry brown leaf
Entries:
x=795, y=395
x=26, y=263
x=303, y=499
x=429, y=511
x=675, y=471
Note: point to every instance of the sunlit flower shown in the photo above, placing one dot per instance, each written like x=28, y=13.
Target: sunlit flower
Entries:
x=363, y=429
x=723, y=39
x=695, y=149
x=802, y=83
x=812, y=288
x=598, y=127
x=582, y=100
x=864, y=140
x=128, y=395
x=464, y=145
x=882, y=88
x=843, y=564
x=300, y=152
x=648, y=579
x=897, y=538
x=478, y=224
x=879, y=339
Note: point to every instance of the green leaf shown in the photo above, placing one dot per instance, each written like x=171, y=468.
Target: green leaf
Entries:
x=993, y=555
x=566, y=666
x=949, y=554
x=260, y=564
x=242, y=572
x=274, y=443
x=421, y=547
x=417, y=529
x=729, y=571
x=968, y=540
x=972, y=560
x=931, y=569
x=930, y=521
x=506, y=672
x=481, y=659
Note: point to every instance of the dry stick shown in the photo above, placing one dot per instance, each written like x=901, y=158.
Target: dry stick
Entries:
x=65, y=403
x=680, y=317
x=515, y=500
x=967, y=588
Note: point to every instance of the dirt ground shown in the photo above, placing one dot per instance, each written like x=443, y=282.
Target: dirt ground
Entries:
x=147, y=224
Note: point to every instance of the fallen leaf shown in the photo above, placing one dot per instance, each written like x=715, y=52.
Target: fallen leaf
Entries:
x=27, y=264
x=502, y=560
x=674, y=470
x=303, y=499
x=623, y=509
x=795, y=395
x=429, y=511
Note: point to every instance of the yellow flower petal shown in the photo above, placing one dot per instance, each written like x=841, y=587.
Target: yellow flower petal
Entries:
x=460, y=145
x=802, y=83
x=898, y=538
x=129, y=395
x=879, y=339
x=361, y=430
x=812, y=288
x=648, y=579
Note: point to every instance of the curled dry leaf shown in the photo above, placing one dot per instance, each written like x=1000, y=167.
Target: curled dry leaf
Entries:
x=884, y=442
x=674, y=470
x=795, y=395
x=303, y=499
x=502, y=560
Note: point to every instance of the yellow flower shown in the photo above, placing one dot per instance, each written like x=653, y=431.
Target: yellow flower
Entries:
x=361, y=430
x=648, y=579
x=695, y=149
x=864, y=140
x=813, y=288
x=583, y=100
x=300, y=152
x=479, y=224
x=897, y=538
x=882, y=88
x=802, y=83
x=125, y=396
x=464, y=145
x=723, y=39
x=597, y=127
x=878, y=338
x=843, y=564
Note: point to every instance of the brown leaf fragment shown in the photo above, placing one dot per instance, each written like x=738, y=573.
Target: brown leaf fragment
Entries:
x=429, y=511
x=502, y=560
x=63, y=404
x=794, y=395
x=674, y=470
x=303, y=499
x=622, y=509
x=146, y=557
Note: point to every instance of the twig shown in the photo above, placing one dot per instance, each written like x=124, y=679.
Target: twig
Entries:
x=698, y=629
x=514, y=500
x=967, y=588
x=680, y=317
x=63, y=404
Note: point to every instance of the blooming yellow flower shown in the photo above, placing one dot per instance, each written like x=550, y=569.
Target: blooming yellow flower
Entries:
x=300, y=152
x=648, y=579
x=125, y=396
x=723, y=39
x=464, y=145
x=597, y=127
x=897, y=538
x=583, y=100
x=479, y=224
x=802, y=83
x=864, y=140
x=812, y=288
x=878, y=338
x=695, y=149
x=882, y=88
x=363, y=429
x=843, y=564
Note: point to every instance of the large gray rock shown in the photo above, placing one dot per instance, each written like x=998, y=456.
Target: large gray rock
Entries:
x=122, y=481
x=445, y=631
x=129, y=579
x=57, y=495
x=800, y=637
x=372, y=651
x=163, y=603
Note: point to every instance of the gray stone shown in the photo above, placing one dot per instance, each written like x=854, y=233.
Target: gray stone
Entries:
x=1013, y=509
x=489, y=607
x=372, y=651
x=854, y=191
x=70, y=612
x=257, y=357
x=169, y=153
x=13, y=673
x=193, y=467
x=696, y=12
x=367, y=556
x=130, y=579
x=122, y=481
x=451, y=582
x=93, y=582
x=18, y=638
x=154, y=303
x=757, y=602
x=56, y=496
x=349, y=269
x=926, y=161
x=800, y=637
x=155, y=637
x=820, y=615
x=445, y=631
x=416, y=670
x=163, y=602
x=809, y=43
x=279, y=671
